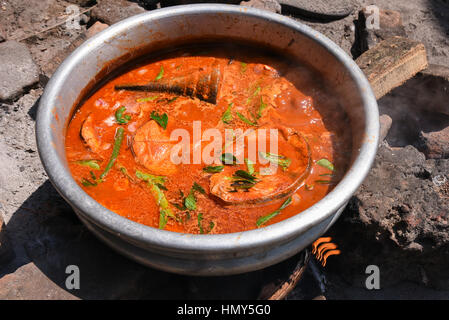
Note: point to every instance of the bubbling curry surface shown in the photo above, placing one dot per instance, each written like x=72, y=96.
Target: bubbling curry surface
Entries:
x=123, y=143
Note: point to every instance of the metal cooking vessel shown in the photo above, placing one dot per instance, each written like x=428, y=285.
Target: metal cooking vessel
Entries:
x=206, y=254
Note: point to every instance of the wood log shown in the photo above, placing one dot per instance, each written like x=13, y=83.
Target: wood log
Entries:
x=392, y=62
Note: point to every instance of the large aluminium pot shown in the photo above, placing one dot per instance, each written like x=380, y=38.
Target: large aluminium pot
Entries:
x=205, y=254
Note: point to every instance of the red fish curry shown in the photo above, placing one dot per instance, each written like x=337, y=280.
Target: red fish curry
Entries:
x=217, y=140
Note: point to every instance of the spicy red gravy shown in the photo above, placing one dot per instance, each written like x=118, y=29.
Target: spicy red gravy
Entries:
x=123, y=142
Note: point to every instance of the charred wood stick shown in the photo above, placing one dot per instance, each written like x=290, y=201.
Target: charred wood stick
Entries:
x=282, y=290
x=152, y=87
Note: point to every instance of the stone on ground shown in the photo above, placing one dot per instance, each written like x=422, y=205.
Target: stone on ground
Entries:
x=321, y=9
x=112, y=11
x=17, y=70
x=30, y=283
x=435, y=144
x=95, y=28
x=398, y=220
x=385, y=125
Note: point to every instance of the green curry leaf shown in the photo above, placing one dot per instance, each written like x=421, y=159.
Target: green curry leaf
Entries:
x=89, y=163
x=120, y=118
x=162, y=120
x=325, y=164
x=265, y=219
x=213, y=169
x=160, y=74
x=227, y=115
x=276, y=159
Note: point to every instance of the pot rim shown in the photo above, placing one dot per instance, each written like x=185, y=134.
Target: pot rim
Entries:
x=143, y=235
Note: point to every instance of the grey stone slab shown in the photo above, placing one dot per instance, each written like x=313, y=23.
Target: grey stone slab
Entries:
x=17, y=70
x=113, y=11
x=321, y=9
